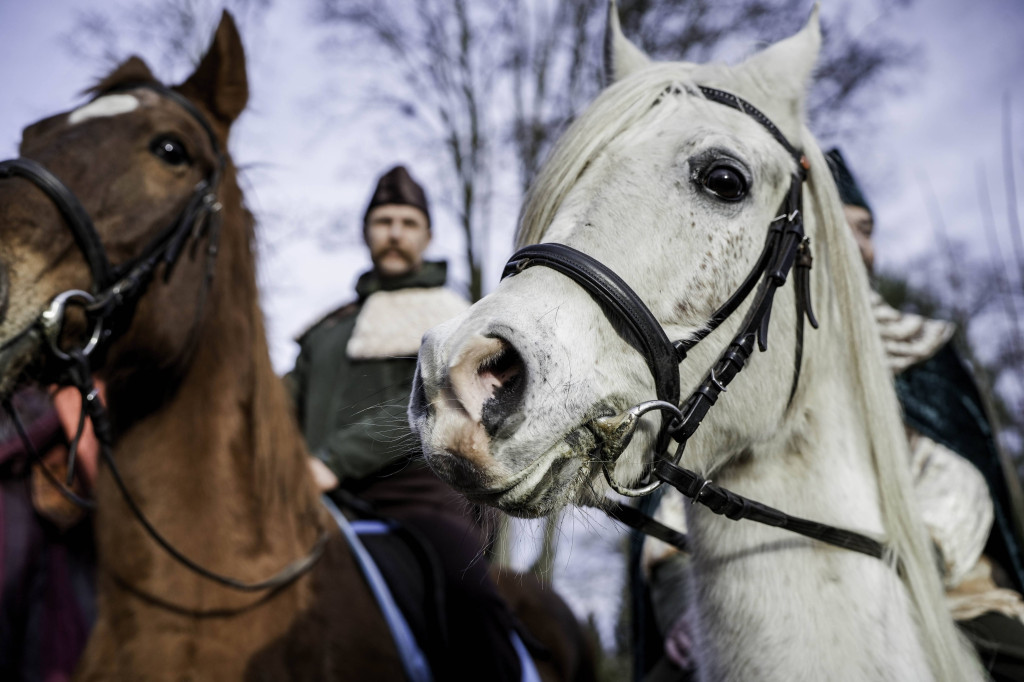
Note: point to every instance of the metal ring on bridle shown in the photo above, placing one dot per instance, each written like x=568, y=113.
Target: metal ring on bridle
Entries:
x=615, y=432
x=626, y=490
x=52, y=322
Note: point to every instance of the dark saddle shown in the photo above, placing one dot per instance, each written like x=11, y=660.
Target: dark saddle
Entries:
x=412, y=571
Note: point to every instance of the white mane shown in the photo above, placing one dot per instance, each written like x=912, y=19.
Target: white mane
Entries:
x=881, y=416
x=839, y=275
x=618, y=108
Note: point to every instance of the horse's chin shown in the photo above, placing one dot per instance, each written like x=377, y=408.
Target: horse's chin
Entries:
x=559, y=476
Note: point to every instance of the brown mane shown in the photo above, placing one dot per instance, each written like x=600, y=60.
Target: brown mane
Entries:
x=132, y=70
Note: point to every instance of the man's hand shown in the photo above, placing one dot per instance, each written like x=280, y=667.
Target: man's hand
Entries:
x=68, y=403
x=324, y=477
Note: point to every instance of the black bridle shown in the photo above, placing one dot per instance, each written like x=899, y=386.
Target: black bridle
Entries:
x=786, y=246
x=109, y=306
x=114, y=290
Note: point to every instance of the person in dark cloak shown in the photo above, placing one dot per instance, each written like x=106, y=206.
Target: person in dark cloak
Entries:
x=351, y=385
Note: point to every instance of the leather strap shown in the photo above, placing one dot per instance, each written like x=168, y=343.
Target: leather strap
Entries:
x=77, y=218
x=786, y=245
x=637, y=520
x=610, y=291
x=802, y=286
x=729, y=307
x=736, y=507
x=114, y=296
x=742, y=105
x=116, y=288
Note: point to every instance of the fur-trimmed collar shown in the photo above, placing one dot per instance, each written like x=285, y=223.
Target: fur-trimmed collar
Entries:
x=431, y=274
x=908, y=338
x=391, y=323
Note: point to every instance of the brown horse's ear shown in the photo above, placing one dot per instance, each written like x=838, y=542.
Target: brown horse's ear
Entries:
x=219, y=82
x=132, y=70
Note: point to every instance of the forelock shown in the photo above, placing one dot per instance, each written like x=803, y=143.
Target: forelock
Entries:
x=616, y=109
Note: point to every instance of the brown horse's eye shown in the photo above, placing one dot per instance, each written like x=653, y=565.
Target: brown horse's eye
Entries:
x=726, y=183
x=170, y=150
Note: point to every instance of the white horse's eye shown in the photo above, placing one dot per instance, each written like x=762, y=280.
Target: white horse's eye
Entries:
x=725, y=183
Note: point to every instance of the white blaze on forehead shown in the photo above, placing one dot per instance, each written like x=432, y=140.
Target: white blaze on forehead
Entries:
x=109, y=105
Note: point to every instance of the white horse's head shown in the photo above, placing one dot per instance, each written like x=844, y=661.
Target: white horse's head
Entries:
x=675, y=193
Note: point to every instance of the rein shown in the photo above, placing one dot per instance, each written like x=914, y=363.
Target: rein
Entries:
x=786, y=246
x=115, y=291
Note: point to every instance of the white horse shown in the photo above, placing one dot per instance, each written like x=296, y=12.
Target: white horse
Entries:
x=674, y=192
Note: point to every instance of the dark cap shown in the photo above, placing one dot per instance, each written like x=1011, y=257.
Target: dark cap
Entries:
x=397, y=187
x=849, y=190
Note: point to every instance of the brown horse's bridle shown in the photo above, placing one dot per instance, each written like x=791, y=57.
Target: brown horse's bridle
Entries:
x=115, y=292
x=785, y=246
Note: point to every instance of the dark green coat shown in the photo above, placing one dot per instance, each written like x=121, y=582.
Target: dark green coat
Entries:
x=353, y=412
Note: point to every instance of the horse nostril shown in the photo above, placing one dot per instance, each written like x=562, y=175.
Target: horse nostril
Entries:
x=486, y=382
x=503, y=376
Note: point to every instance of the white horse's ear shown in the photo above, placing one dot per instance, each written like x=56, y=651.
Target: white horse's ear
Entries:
x=786, y=66
x=621, y=57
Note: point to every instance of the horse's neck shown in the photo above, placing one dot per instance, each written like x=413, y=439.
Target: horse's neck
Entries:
x=219, y=468
x=766, y=597
x=818, y=465
x=221, y=471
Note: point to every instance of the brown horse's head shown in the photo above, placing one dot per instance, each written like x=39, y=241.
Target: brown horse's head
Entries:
x=133, y=157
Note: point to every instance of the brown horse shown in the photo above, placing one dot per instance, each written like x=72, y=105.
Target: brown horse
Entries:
x=202, y=429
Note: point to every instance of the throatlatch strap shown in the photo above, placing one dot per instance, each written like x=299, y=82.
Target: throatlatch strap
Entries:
x=736, y=507
x=644, y=523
